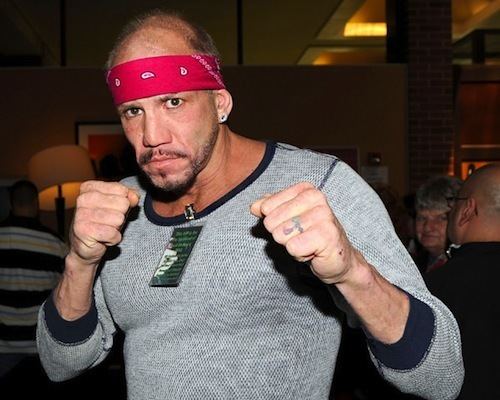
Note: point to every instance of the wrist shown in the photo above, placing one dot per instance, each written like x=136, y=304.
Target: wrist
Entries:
x=73, y=294
x=357, y=275
x=76, y=264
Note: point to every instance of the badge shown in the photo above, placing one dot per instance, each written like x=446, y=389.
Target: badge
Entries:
x=175, y=257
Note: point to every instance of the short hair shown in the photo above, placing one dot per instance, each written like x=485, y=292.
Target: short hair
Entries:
x=432, y=194
x=196, y=36
x=23, y=193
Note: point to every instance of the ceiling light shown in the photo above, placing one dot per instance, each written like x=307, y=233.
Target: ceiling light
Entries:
x=365, y=29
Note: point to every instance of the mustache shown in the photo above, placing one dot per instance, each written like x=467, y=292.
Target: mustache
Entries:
x=146, y=157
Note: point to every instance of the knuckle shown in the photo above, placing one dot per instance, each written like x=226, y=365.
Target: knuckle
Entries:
x=86, y=186
x=322, y=212
x=120, y=219
x=266, y=206
x=81, y=215
x=279, y=237
x=312, y=195
x=104, y=233
x=86, y=199
x=280, y=240
x=118, y=188
x=306, y=185
x=268, y=224
x=121, y=204
x=292, y=246
x=115, y=237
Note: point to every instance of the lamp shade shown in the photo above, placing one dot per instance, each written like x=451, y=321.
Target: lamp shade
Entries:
x=66, y=166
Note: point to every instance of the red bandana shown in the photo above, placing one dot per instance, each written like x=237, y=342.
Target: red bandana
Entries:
x=153, y=76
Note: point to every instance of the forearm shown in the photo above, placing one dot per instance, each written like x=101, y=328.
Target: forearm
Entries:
x=69, y=347
x=73, y=295
x=381, y=307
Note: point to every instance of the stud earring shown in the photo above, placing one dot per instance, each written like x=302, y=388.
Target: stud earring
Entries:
x=223, y=118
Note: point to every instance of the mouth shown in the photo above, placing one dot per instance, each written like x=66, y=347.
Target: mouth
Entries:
x=155, y=158
x=163, y=158
x=430, y=238
x=163, y=165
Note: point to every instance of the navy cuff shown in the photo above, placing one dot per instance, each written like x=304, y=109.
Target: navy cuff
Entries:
x=409, y=351
x=69, y=332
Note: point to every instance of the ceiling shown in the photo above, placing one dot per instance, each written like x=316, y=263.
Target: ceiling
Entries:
x=273, y=32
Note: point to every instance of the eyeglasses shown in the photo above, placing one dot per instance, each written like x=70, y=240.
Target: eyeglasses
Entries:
x=451, y=200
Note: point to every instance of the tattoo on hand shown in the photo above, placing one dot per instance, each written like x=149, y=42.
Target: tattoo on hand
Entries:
x=296, y=226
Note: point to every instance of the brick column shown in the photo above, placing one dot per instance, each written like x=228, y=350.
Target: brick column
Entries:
x=424, y=28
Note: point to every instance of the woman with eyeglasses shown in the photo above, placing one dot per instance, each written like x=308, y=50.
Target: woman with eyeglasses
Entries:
x=431, y=220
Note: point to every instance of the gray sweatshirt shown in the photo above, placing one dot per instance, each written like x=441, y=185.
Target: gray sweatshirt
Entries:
x=246, y=320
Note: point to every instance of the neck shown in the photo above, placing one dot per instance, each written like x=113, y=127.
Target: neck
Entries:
x=483, y=233
x=233, y=159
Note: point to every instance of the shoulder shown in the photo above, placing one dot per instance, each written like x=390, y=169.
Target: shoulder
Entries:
x=297, y=164
x=328, y=172
x=292, y=153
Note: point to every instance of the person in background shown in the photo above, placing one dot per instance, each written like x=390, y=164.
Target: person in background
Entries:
x=31, y=262
x=468, y=282
x=431, y=220
x=231, y=272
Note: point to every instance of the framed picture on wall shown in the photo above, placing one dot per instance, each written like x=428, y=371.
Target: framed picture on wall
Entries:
x=111, y=154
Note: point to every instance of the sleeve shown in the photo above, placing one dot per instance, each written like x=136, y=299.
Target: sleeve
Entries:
x=435, y=370
x=68, y=348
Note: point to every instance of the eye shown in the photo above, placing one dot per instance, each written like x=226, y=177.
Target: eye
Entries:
x=174, y=102
x=132, y=112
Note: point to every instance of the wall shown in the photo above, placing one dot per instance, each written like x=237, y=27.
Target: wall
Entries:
x=363, y=106
x=430, y=89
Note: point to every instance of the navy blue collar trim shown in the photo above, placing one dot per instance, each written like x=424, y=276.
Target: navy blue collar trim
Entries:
x=181, y=219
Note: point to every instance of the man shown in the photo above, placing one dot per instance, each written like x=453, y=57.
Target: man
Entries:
x=246, y=310
x=468, y=282
x=431, y=220
x=30, y=265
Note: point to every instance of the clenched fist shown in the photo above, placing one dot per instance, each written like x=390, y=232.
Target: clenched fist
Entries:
x=300, y=219
x=101, y=210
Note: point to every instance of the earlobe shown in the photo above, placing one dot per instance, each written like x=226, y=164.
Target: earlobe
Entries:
x=224, y=104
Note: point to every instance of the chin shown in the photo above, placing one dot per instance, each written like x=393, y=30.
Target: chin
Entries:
x=170, y=184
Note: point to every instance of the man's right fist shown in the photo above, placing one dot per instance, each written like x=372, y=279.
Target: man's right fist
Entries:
x=101, y=210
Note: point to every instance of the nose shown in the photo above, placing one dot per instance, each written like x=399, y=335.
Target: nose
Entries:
x=156, y=130
x=431, y=225
x=428, y=226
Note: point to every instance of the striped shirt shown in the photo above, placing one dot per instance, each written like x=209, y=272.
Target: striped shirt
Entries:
x=31, y=260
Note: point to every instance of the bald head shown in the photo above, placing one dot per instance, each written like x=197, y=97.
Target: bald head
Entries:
x=476, y=214
x=158, y=33
x=484, y=186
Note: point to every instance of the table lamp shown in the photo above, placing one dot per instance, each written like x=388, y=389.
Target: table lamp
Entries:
x=58, y=172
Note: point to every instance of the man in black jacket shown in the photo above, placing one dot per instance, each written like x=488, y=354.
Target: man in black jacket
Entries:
x=468, y=283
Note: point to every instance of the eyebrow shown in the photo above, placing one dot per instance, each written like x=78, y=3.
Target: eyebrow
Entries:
x=127, y=105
